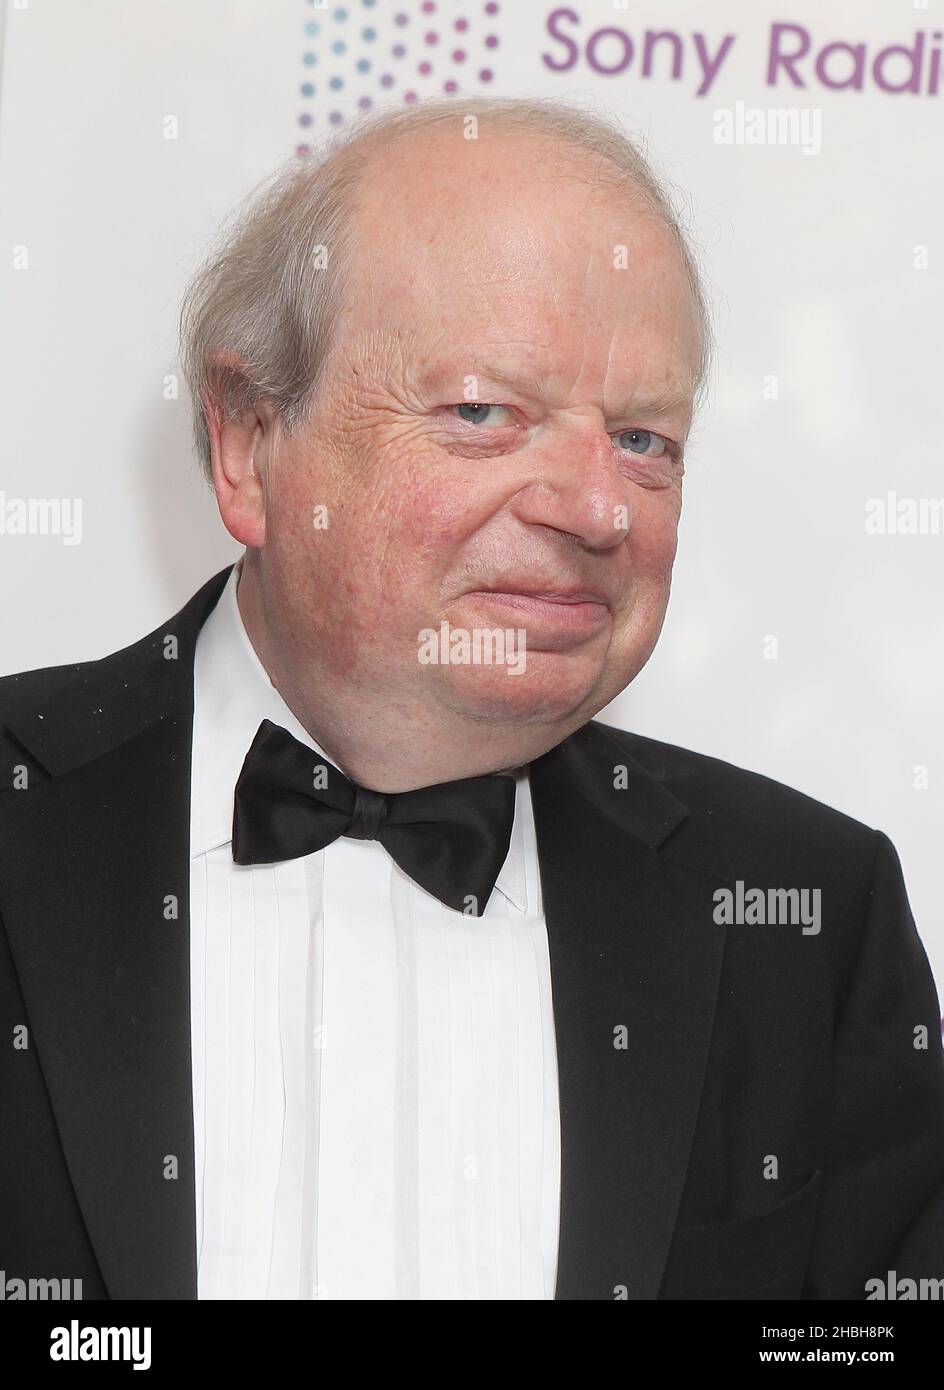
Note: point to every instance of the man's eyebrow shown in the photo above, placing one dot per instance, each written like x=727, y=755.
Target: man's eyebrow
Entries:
x=670, y=401
x=512, y=377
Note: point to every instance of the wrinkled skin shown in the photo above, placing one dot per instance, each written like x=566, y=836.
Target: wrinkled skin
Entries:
x=484, y=273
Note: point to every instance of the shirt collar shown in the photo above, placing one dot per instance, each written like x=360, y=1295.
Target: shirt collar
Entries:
x=232, y=695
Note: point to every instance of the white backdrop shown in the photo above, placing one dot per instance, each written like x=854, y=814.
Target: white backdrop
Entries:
x=128, y=128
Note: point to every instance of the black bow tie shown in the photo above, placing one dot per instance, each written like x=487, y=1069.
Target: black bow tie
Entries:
x=451, y=838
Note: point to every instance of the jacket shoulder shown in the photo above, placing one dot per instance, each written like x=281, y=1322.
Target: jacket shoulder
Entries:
x=25, y=691
x=737, y=799
x=64, y=715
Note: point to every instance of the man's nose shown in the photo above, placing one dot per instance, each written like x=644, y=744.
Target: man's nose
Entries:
x=577, y=487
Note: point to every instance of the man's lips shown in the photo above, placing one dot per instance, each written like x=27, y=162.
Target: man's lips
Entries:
x=574, y=608
x=585, y=595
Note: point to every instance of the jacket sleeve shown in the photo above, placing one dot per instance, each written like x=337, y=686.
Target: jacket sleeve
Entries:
x=881, y=1208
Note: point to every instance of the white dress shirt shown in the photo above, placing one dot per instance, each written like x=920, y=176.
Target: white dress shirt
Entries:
x=374, y=1074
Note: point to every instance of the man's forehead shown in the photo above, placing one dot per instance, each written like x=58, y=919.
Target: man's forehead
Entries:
x=514, y=282
x=537, y=369
x=537, y=339
x=513, y=242
x=479, y=266
x=502, y=205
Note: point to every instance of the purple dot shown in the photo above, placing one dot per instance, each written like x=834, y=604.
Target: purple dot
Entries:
x=401, y=19
x=303, y=149
x=425, y=69
x=428, y=6
x=335, y=118
x=398, y=50
x=304, y=119
x=458, y=56
x=491, y=41
x=386, y=80
x=432, y=38
x=462, y=25
x=486, y=75
x=491, y=7
x=409, y=96
x=450, y=86
x=365, y=103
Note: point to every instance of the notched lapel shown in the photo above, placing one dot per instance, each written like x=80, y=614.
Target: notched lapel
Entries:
x=635, y=963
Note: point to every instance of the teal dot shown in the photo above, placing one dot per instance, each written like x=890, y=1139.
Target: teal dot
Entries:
x=369, y=34
x=311, y=27
x=340, y=14
x=308, y=89
x=363, y=65
x=339, y=46
x=309, y=60
x=336, y=83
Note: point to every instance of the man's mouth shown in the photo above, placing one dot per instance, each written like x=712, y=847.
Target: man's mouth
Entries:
x=576, y=609
x=572, y=593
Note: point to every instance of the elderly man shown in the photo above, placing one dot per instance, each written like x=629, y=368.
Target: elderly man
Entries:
x=345, y=955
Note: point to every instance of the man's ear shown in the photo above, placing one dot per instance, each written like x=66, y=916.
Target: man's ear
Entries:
x=238, y=450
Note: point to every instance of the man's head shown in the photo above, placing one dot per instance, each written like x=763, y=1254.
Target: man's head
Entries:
x=510, y=337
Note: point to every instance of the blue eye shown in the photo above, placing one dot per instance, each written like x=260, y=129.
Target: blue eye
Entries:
x=642, y=442
x=477, y=411
x=471, y=411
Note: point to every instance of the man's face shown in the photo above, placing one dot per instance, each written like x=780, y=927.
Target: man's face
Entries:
x=504, y=413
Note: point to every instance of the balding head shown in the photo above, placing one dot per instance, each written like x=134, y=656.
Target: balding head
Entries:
x=494, y=444
x=258, y=316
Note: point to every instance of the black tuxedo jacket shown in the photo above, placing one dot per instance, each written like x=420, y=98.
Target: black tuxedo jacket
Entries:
x=746, y=1111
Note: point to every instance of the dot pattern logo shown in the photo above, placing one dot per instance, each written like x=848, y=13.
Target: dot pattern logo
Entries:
x=369, y=52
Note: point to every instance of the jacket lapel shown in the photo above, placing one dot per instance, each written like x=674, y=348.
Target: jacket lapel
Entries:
x=105, y=972
x=101, y=944
x=635, y=961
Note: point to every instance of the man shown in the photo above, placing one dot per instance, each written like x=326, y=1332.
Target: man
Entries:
x=345, y=954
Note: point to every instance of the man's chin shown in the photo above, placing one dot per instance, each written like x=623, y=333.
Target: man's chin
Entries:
x=546, y=688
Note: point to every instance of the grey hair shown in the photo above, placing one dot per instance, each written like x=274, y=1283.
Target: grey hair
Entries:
x=256, y=319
